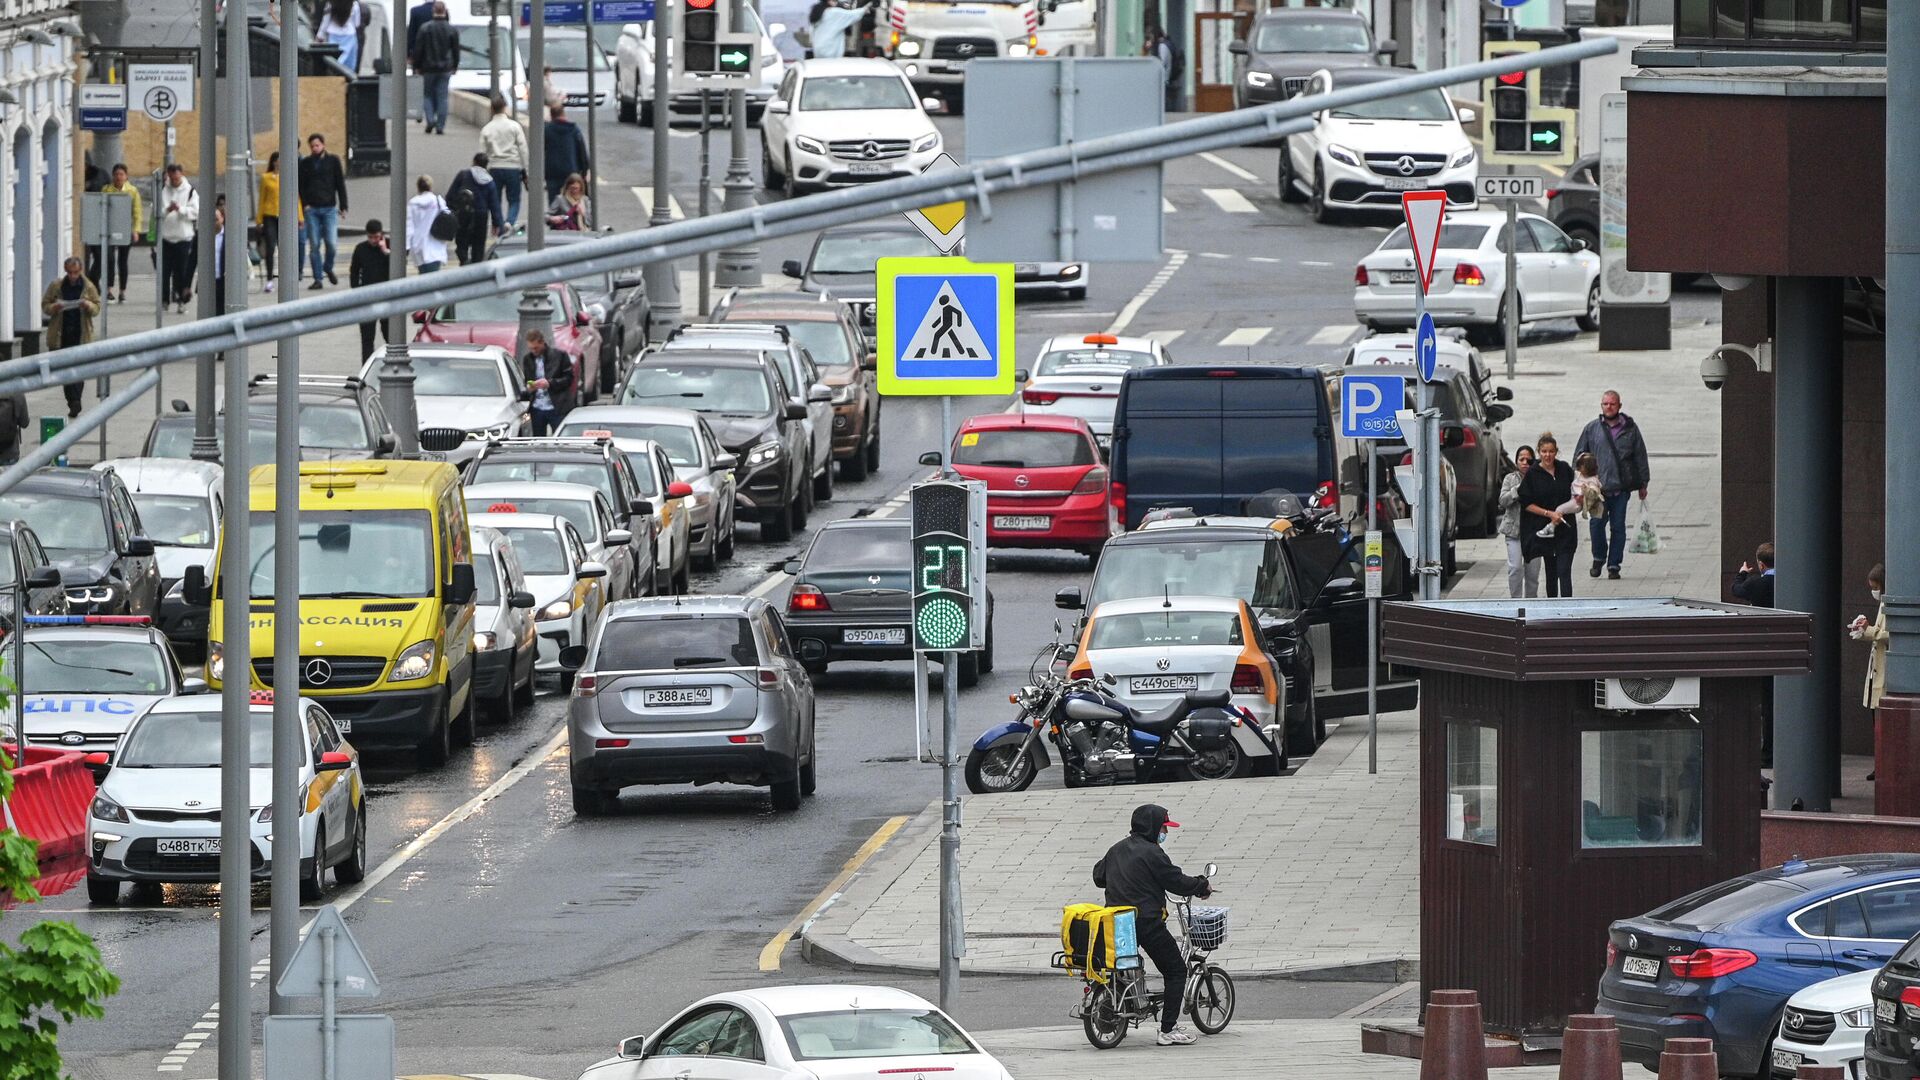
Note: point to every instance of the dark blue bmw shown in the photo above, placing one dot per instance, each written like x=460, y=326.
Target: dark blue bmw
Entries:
x=1721, y=963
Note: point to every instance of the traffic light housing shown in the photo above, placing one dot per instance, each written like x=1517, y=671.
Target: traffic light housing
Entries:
x=1517, y=130
x=949, y=536
x=705, y=47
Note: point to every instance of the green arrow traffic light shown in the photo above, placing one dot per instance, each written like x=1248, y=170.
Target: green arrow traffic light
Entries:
x=735, y=58
x=1548, y=137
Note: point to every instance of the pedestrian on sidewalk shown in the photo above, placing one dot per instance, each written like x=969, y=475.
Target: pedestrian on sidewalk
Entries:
x=566, y=151
x=548, y=377
x=70, y=304
x=1523, y=574
x=1137, y=873
x=220, y=259
x=1616, y=444
x=1546, y=487
x=13, y=425
x=427, y=233
x=341, y=26
x=475, y=200
x=417, y=16
x=504, y=142
x=436, y=56
x=179, y=207
x=1585, y=497
x=266, y=214
x=1875, y=633
x=323, y=198
x=113, y=261
x=571, y=210
x=369, y=266
x=1753, y=582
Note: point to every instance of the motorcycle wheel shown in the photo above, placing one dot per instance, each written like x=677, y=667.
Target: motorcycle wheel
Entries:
x=1212, y=1003
x=1223, y=764
x=1104, y=1025
x=1007, y=767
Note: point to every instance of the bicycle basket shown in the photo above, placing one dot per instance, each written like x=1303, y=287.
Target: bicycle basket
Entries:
x=1207, y=928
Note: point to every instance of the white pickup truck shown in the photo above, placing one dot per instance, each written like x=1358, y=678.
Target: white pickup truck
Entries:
x=932, y=40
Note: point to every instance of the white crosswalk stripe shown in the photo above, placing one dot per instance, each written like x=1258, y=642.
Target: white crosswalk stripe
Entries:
x=1332, y=335
x=1246, y=335
x=1216, y=159
x=1231, y=201
x=645, y=195
x=1165, y=337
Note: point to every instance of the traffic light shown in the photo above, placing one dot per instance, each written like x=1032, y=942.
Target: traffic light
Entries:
x=1517, y=129
x=706, y=45
x=949, y=534
x=1507, y=119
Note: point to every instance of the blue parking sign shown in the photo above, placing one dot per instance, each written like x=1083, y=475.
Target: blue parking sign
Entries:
x=1367, y=405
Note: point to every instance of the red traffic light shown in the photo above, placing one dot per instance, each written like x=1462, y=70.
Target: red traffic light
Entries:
x=699, y=5
x=1511, y=78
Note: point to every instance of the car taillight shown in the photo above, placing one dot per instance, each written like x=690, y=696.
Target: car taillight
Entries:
x=768, y=676
x=1093, y=483
x=1711, y=963
x=609, y=744
x=1613, y=954
x=807, y=598
x=1038, y=397
x=1406, y=458
x=1468, y=438
x=1117, y=498
x=1910, y=1002
x=583, y=686
x=1383, y=509
x=1468, y=274
x=1247, y=680
x=1326, y=496
x=1552, y=192
x=1360, y=275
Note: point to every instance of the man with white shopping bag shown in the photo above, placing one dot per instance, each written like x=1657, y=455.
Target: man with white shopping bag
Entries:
x=1618, y=449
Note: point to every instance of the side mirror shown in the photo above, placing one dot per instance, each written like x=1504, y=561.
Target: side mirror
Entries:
x=791, y=267
x=635, y=1047
x=641, y=507
x=1503, y=393
x=193, y=686
x=1069, y=598
x=1212, y=869
x=420, y=317
x=387, y=443
x=1336, y=586
x=1452, y=437
x=1238, y=48
x=1468, y=116
x=520, y=598
x=1499, y=414
x=193, y=585
x=679, y=489
x=726, y=461
x=870, y=362
x=333, y=761
x=590, y=570
x=817, y=393
x=931, y=457
x=779, y=108
x=633, y=280
x=1387, y=47
x=791, y=567
x=46, y=577
x=776, y=29
x=795, y=410
x=573, y=658
x=1577, y=243
x=581, y=318
x=461, y=587
x=618, y=538
x=180, y=405
x=1021, y=374
x=139, y=547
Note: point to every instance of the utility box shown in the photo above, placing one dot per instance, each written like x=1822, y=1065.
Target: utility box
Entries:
x=1581, y=761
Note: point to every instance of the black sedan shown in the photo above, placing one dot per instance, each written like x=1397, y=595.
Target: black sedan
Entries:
x=852, y=599
x=617, y=303
x=1573, y=202
x=93, y=536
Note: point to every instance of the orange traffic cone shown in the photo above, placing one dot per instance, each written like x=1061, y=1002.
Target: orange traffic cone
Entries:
x=1591, y=1049
x=1455, y=1048
x=1689, y=1059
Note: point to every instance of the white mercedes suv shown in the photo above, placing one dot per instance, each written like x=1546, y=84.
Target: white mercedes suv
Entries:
x=1362, y=157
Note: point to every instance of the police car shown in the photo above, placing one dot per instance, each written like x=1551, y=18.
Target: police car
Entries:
x=87, y=677
x=156, y=817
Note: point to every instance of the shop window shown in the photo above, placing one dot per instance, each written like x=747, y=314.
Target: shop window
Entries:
x=1640, y=787
x=1473, y=783
x=1774, y=23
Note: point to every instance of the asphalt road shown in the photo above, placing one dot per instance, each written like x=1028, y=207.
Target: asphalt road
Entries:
x=510, y=937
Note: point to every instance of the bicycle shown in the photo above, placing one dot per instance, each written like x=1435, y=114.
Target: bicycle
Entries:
x=1113, y=1003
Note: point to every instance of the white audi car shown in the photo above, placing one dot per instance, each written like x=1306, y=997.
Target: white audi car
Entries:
x=1558, y=277
x=835, y=123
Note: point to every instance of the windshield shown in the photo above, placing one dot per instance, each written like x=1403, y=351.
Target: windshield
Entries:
x=1253, y=570
x=564, y=52
x=740, y=391
x=175, y=440
x=1312, y=36
x=1166, y=628
x=452, y=377
x=485, y=578
x=64, y=523
x=473, y=47
x=854, y=253
x=825, y=340
x=375, y=552
x=677, y=641
x=191, y=740
x=539, y=550
x=322, y=427
x=499, y=308
x=1451, y=236
x=1022, y=449
x=1426, y=105
x=577, y=511
x=1060, y=363
x=834, y=93
x=72, y=666
x=860, y=548
x=176, y=520
x=873, y=1033
x=679, y=442
x=514, y=469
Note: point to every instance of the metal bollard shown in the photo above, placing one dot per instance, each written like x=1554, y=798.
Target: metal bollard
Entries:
x=1689, y=1059
x=1821, y=1072
x=1591, y=1048
x=1455, y=1046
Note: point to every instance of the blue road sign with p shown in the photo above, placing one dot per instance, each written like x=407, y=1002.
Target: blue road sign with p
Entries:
x=1426, y=347
x=1367, y=405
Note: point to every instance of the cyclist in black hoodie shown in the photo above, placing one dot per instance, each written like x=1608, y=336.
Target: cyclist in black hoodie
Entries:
x=1137, y=873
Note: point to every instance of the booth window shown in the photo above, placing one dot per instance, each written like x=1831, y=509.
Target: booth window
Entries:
x=1640, y=787
x=1473, y=783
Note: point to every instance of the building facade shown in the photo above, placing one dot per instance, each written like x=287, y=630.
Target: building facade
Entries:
x=37, y=166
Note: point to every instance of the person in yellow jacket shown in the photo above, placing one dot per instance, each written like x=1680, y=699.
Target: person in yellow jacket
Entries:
x=113, y=261
x=266, y=214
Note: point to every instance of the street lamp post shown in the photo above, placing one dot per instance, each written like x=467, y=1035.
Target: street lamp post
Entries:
x=738, y=266
x=206, y=440
x=396, y=367
x=663, y=280
x=536, y=311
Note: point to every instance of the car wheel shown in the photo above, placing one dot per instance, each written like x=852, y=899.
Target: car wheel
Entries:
x=313, y=875
x=646, y=114
x=810, y=772
x=823, y=484
x=1317, y=202
x=770, y=177
x=1289, y=184
x=815, y=668
x=873, y=447
x=463, y=724
x=802, y=503
x=593, y=802
x=788, y=185
x=786, y=790
x=438, y=746
x=353, y=868
x=102, y=892
x=522, y=695
x=723, y=544
x=1591, y=320
x=855, y=468
x=778, y=525
x=1304, y=741
x=566, y=682
x=629, y=110
x=986, y=653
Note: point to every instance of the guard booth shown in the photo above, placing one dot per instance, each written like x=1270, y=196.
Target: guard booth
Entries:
x=1581, y=761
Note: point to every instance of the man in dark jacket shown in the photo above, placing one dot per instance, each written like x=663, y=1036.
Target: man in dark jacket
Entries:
x=546, y=376
x=370, y=266
x=566, y=151
x=1137, y=873
x=474, y=199
x=1618, y=449
x=417, y=17
x=436, y=56
x=1753, y=582
x=323, y=195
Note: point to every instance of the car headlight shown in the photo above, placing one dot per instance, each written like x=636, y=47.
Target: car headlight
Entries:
x=107, y=810
x=845, y=395
x=927, y=143
x=216, y=660
x=414, y=662
x=559, y=609
x=1016, y=48
x=493, y=431
x=1342, y=155
x=811, y=146
x=769, y=59
x=907, y=47
x=1071, y=270
x=1861, y=1017
x=483, y=640
x=765, y=453
x=1464, y=157
x=1261, y=79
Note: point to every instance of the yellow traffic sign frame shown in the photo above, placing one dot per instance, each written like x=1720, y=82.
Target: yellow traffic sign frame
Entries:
x=893, y=382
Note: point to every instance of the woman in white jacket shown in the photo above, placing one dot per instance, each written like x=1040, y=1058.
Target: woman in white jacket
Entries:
x=427, y=250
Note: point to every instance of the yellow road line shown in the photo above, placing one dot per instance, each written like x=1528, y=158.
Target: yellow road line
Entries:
x=770, y=955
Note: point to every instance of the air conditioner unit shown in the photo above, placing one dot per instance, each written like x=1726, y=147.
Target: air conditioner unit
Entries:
x=1665, y=692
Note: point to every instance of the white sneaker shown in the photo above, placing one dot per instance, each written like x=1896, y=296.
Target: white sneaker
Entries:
x=1176, y=1037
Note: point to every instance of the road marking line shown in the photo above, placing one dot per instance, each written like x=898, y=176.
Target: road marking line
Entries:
x=1229, y=200
x=1164, y=337
x=1314, y=262
x=1262, y=259
x=773, y=581
x=1332, y=335
x=1167, y=207
x=645, y=195
x=1214, y=255
x=1159, y=281
x=1230, y=167
x=1246, y=335
x=770, y=954
x=1068, y=314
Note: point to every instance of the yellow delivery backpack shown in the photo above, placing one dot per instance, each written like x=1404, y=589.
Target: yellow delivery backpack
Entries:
x=1095, y=940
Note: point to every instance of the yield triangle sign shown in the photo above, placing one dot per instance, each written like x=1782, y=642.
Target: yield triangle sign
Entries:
x=946, y=223
x=1425, y=210
x=352, y=975
x=946, y=332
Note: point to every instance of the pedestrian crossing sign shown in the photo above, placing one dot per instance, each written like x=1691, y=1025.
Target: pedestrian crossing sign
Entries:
x=945, y=327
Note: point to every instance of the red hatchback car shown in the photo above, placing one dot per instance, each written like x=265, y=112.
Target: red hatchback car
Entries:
x=495, y=320
x=1046, y=486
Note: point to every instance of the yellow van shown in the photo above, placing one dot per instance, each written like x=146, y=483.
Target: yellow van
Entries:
x=386, y=600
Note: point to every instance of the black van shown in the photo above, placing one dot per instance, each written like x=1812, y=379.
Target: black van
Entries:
x=1209, y=436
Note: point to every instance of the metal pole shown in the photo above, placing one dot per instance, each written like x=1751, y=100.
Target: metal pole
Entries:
x=1902, y=456
x=206, y=443
x=513, y=62
x=706, y=192
x=284, y=927
x=952, y=925
x=19, y=669
x=1511, y=305
x=493, y=51
x=738, y=266
x=329, y=1021
x=103, y=386
x=593, y=126
x=396, y=366
x=1064, y=192
x=535, y=312
x=1373, y=611
x=663, y=280
x=1427, y=510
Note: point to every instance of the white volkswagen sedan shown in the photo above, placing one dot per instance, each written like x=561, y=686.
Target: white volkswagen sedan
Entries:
x=1080, y=376
x=1558, y=277
x=819, y=1032
x=838, y=122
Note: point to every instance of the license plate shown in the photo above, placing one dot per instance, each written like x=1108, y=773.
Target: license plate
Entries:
x=1164, y=684
x=188, y=845
x=1020, y=522
x=869, y=168
x=1395, y=183
x=1640, y=967
x=1788, y=1060
x=676, y=695
x=1886, y=1012
x=896, y=635
x=1399, y=277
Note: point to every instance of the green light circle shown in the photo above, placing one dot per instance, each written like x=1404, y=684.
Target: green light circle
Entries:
x=942, y=623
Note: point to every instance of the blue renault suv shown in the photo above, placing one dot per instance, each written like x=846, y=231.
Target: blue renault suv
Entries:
x=1720, y=963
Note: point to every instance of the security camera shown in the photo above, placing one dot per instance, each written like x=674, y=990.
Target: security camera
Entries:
x=1713, y=370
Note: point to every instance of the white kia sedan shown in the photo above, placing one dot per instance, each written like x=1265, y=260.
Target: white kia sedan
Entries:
x=835, y=123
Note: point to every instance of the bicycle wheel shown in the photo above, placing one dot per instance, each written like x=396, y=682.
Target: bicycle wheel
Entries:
x=1211, y=1005
x=1104, y=1025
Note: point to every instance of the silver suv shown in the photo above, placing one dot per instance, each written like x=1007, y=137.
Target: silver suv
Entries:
x=689, y=690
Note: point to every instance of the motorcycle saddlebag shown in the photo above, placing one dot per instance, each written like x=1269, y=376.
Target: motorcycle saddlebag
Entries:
x=1209, y=732
x=1096, y=939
